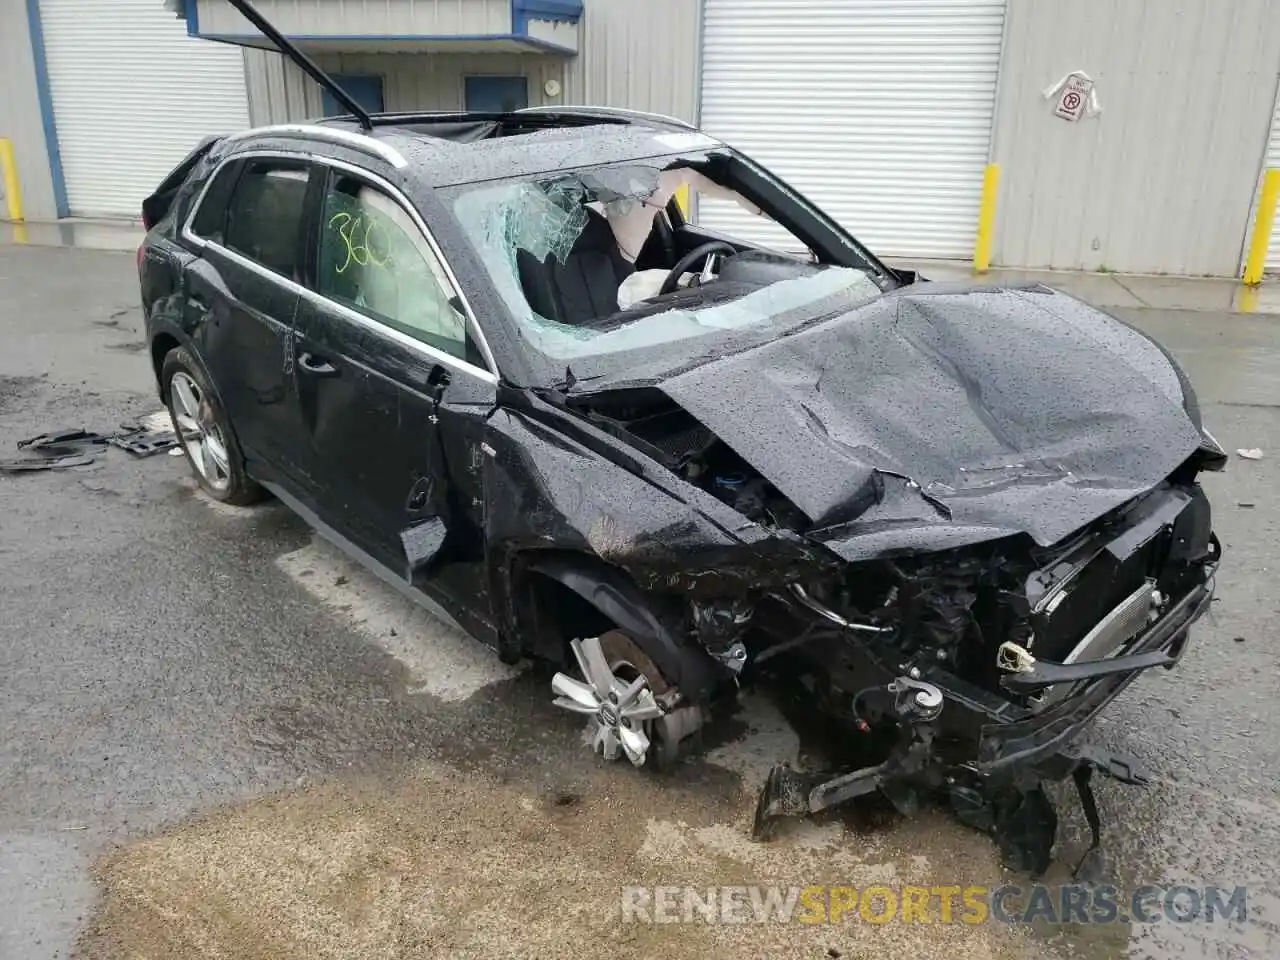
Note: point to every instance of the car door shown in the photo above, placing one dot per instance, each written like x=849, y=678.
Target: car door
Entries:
x=242, y=296
x=391, y=383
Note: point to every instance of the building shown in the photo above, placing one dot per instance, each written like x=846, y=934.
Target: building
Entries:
x=888, y=112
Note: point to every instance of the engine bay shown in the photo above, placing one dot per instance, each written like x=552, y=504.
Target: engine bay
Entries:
x=671, y=435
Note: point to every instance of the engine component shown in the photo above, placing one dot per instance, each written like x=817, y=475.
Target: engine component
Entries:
x=916, y=700
x=734, y=658
x=789, y=793
x=827, y=613
x=1014, y=658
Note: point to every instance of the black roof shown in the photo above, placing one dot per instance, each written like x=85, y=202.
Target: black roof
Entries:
x=458, y=148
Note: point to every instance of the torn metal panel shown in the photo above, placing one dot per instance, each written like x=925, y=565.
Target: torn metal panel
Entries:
x=422, y=542
x=544, y=490
x=1007, y=410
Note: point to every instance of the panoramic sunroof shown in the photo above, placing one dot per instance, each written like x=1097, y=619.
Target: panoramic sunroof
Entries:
x=468, y=128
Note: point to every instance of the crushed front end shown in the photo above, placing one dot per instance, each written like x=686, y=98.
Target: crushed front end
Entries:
x=955, y=522
x=975, y=673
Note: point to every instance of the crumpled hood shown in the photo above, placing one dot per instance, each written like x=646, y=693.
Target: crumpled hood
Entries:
x=950, y=414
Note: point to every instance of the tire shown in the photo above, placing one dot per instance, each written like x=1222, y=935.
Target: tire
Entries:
x=214, y=455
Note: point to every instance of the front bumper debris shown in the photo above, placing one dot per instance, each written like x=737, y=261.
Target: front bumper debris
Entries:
x=998, y=790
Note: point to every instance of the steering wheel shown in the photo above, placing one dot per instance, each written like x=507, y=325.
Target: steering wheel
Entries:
x=692, y=257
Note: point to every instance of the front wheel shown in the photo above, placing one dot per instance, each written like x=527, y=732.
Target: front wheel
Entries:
x=205, y=432
x=624, y=694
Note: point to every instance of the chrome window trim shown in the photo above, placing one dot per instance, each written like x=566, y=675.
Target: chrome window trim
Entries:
x=489, y=375
x=357, y=141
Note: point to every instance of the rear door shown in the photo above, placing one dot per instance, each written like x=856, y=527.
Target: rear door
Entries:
x=244, y=291
x=392, y=386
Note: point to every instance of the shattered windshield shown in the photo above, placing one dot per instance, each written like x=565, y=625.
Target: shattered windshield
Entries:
x=591, y=264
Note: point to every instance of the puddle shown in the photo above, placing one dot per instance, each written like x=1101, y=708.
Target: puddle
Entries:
x=441, y=659
x=436, y=864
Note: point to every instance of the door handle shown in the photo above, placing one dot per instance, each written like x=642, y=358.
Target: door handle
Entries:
x=316, y=366
x=419, y=495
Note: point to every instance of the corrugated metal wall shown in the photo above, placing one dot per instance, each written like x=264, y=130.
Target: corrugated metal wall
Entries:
x=133, y=95
x=640, y=54
x=363, y=17
x=20, y=118
x=880, y=111
x=280, y=92
x=1162, y=181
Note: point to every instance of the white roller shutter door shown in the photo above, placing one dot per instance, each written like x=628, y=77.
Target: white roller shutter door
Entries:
x=1273, y=162
x=879, y=110
x=132, y=95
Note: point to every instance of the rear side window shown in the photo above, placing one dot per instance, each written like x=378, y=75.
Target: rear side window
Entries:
x=210, y=221
x=265, y=215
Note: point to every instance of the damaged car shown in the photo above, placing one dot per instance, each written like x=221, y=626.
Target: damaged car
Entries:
x=497, y=358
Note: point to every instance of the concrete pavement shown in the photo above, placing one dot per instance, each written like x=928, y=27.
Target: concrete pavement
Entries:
x=1130, y=291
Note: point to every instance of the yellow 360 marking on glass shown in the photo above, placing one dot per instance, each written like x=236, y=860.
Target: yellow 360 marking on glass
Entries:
x=361, y=248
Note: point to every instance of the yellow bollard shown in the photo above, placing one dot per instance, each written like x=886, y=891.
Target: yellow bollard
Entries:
x=1262, y=222
x=682, y=199
x=986, y=218
x=9, y=168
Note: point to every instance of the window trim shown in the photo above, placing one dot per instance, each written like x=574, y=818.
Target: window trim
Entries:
x=489, y=375
x=197, y=203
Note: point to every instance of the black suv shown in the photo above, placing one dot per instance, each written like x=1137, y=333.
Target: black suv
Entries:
x=497, y=358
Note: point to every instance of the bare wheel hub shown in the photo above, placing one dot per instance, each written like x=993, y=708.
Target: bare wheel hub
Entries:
x=615, y=695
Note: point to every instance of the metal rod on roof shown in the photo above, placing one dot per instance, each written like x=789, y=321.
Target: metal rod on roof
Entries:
x=309, y=66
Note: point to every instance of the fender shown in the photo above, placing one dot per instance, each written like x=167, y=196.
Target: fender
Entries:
x=689, y=668
x=160, y=326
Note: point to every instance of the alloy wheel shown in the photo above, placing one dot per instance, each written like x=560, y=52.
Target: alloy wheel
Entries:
x=202, y=438
x=616, y=697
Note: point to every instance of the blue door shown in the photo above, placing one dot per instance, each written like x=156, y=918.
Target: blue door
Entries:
x=364, y=90
x=496, y=94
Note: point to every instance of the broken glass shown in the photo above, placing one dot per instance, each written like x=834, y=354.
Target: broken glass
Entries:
x=546, y=218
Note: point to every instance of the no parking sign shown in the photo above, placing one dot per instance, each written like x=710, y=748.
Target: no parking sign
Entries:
x=1076, y=97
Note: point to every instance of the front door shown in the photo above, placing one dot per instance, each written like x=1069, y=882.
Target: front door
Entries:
x=382, y=352
x=246, y=285
x=496, y=94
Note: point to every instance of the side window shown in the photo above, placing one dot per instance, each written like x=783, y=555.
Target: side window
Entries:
x=374, y=259
x=264, y=217
x=210, y=221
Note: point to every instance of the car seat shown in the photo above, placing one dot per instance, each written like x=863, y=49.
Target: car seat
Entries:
x=585, y=286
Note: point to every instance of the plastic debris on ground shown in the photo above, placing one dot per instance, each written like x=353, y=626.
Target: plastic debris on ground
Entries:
x=77, y=446
x=1253, y=453
x=32, y=464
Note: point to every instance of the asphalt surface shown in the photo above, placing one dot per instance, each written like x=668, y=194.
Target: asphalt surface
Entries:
x=197, y=698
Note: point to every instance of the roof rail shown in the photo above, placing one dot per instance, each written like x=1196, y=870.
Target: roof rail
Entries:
x=356, y=141
x=611, y=113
